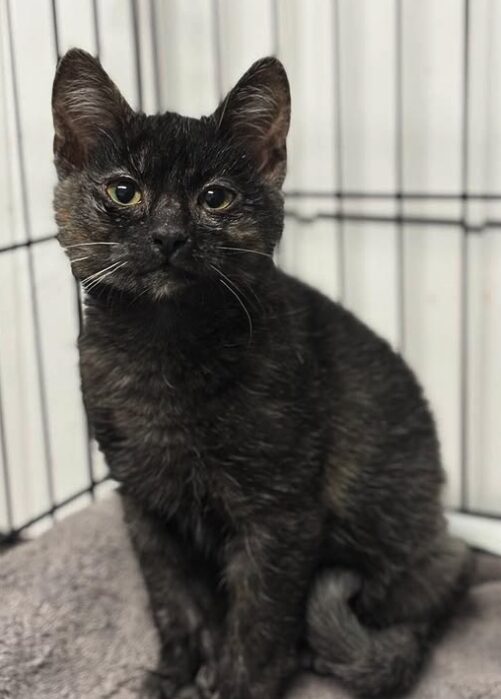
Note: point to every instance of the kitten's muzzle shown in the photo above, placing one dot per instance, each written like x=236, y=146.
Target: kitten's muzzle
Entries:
x=174, y=246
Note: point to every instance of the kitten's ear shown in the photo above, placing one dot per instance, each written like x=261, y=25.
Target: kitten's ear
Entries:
x=85, y=102
x=256, y=115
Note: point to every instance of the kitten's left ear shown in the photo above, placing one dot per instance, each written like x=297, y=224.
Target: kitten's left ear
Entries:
x=256, y=115
x=85, y=102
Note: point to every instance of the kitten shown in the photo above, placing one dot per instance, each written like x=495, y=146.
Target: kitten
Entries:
x=279, y=466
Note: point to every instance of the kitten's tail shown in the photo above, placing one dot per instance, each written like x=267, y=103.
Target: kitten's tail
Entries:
x=371, y=662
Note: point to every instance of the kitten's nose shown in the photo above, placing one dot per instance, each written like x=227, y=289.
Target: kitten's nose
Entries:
x=170, y=243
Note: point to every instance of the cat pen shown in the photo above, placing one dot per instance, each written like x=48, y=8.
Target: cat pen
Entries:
x=392, y=207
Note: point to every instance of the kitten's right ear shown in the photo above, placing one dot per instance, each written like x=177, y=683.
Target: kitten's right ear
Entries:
x=85, y=102
x=256, y=114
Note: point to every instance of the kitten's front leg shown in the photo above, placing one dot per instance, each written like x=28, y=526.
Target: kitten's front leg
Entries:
x=181, y=602
x=268, y=576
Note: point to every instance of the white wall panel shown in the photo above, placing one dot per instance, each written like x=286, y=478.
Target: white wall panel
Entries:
x=185, y=38
x=432, y=70
x=239, y=46
x=484, y=320
x=35, y=60
x=75, y=23
x=148, y=58
x=117, y=50
x=368, y=130
x=306, y=47
x=11, y=228
x=59, y=329
x=22, y=408
x=432, y=122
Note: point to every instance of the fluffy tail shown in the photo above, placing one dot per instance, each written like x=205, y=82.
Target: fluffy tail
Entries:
x=371, y=662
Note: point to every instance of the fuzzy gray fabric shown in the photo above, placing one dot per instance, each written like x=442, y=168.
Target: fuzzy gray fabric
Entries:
x=74, y=622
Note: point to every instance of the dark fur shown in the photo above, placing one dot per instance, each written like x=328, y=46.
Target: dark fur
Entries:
x=279, y=465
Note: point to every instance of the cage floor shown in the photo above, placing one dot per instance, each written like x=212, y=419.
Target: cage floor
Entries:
x=75, y=621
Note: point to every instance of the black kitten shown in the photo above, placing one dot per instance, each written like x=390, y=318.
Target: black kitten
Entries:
x=279, y=465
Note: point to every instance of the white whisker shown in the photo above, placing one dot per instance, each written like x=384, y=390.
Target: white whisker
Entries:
x=252, y=252
x=97, y=274
x=233, y=290
x=248, y=287
x=99, y=279
x=80, y=245
x=230, y=281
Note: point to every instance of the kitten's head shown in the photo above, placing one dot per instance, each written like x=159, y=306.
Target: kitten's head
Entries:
x=152, y=204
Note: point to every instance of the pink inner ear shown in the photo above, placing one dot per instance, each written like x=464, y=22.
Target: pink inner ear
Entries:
x=273, y=159
x=271, y=151
x=67, y=146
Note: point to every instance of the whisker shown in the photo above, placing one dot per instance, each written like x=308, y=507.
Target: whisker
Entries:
x=233, y=290
x=96, y=274
x=248, y=287
x=252, y=252
x=98, y=280
x=142, y=293
x=249, y=319
x=147, y=288
x=230, y=281
x=79, y=245
x=79, y=259
x=106, y=274
x=233, y=284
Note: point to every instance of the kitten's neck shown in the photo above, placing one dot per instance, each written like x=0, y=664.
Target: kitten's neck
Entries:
x=209, y=313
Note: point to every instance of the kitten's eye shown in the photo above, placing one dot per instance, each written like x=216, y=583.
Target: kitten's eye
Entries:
x=124, y=192
x=216, y=198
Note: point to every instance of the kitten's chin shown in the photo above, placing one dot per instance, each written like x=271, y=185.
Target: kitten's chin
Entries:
x=161, y=286
x=165, y=291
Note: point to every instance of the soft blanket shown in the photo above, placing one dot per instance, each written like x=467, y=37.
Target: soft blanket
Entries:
x=74, y=622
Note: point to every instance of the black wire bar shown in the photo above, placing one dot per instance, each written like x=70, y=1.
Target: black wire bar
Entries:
x=399, y=178
x=9, y=512
x=216, y=43
x=338, y=155
x=463, y=367
x=350, y=217
x=134, y=7
x=155, y=54
x=57, y=505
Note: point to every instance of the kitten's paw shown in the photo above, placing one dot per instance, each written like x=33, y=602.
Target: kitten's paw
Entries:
x=338, y=583
x=158, y=686
x=197, y=691
x=190, y=691
x=162, y=687
x=206, y=681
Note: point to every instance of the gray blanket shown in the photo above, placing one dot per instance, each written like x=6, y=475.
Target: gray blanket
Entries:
x=74, y=622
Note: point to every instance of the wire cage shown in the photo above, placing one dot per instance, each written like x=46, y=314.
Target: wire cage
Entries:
x=393, y=207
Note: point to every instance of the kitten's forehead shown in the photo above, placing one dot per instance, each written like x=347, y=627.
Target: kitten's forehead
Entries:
x=176, y=147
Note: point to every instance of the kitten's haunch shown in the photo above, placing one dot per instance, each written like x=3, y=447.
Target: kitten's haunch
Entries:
x=279, y=465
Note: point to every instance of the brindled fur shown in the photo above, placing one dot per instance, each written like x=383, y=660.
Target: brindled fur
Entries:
x=279, y=464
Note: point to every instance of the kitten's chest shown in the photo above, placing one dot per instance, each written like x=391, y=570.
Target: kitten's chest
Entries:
x=155, y=422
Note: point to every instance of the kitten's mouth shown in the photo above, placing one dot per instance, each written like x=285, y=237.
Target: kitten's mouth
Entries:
x=165, y=280
x=178, y=268
x=170, y=271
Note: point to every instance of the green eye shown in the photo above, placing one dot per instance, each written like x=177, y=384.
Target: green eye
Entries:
x=216, y=198
x=124, y=192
